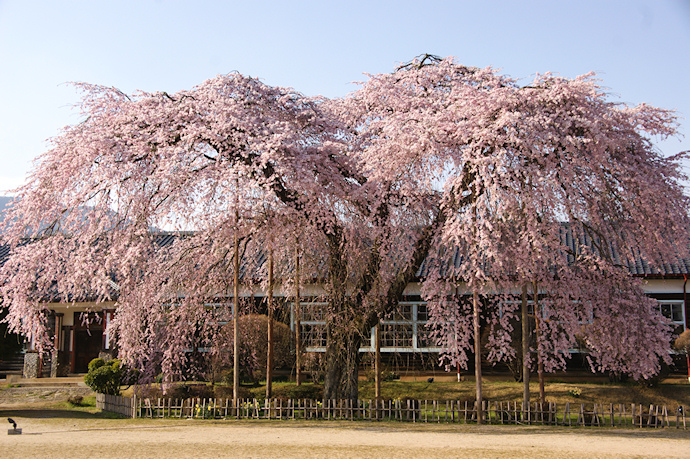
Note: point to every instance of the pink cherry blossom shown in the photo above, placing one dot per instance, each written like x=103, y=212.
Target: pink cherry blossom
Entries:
x=432, y=162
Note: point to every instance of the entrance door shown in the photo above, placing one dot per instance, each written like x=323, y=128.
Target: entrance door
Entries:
x=87, y=345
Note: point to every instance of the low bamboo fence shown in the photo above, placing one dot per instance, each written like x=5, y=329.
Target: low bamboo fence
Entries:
x=124, y=406
x=427, y=411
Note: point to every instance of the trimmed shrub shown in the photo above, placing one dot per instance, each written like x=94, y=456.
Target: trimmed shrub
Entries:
x=96, y=363
x=254, y=346
x=104, y=377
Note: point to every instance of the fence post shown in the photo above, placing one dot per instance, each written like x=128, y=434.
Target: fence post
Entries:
x=641, y=415
x=566, y=411
x=664, y=413
x=656, y=417
x=632, y=415
x=649, y=414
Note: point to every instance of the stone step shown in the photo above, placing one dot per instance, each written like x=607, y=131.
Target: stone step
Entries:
x=69, y=381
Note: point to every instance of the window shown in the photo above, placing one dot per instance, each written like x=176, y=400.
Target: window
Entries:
x=422, y=313
x=398, y=329
x=673, y=310
x=424, y=337
x=396, y=335
x=402, y=312
x=312, y=311
x=313, y=335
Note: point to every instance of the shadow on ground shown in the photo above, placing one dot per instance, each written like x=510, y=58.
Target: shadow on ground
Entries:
x=42, y=413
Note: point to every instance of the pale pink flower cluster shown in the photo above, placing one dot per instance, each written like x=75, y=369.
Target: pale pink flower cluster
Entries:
x=413, y=166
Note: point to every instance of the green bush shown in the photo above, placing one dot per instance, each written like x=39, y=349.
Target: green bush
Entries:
x=96, y=363
x=104, y=377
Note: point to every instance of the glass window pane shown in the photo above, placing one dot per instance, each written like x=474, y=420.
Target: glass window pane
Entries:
x=672, y=311
x=422, y=313
x=396, y=335
x=677, y=312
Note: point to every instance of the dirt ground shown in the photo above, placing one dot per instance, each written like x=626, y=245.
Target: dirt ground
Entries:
x=56, y=433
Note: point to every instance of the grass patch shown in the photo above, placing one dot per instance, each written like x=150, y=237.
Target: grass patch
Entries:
x=669, y=394
x=79, y=404
x=663, y=394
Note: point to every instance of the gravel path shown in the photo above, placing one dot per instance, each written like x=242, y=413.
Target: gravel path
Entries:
x=52, y=434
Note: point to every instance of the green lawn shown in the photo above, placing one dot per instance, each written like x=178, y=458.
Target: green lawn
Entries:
x=670, y=394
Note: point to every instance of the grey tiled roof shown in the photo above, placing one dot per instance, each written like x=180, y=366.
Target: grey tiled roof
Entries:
x=640, y=267
x=637, y=265
x=4, y=253
x=572, y=242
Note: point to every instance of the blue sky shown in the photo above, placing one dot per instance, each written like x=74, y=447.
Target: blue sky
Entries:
x=640, y=49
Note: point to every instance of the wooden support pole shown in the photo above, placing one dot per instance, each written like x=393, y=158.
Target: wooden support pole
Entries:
x=477, y=356
x=298, y=335
x=235, y=314
x=525, y=348
x=269, y=352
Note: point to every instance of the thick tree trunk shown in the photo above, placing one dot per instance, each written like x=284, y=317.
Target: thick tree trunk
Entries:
x=525, y=348
x=342, y=365
x=477, y=358
x=269, y=338
x=348, y=309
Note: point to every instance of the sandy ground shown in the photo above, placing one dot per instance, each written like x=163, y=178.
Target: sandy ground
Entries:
x=49, y=434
